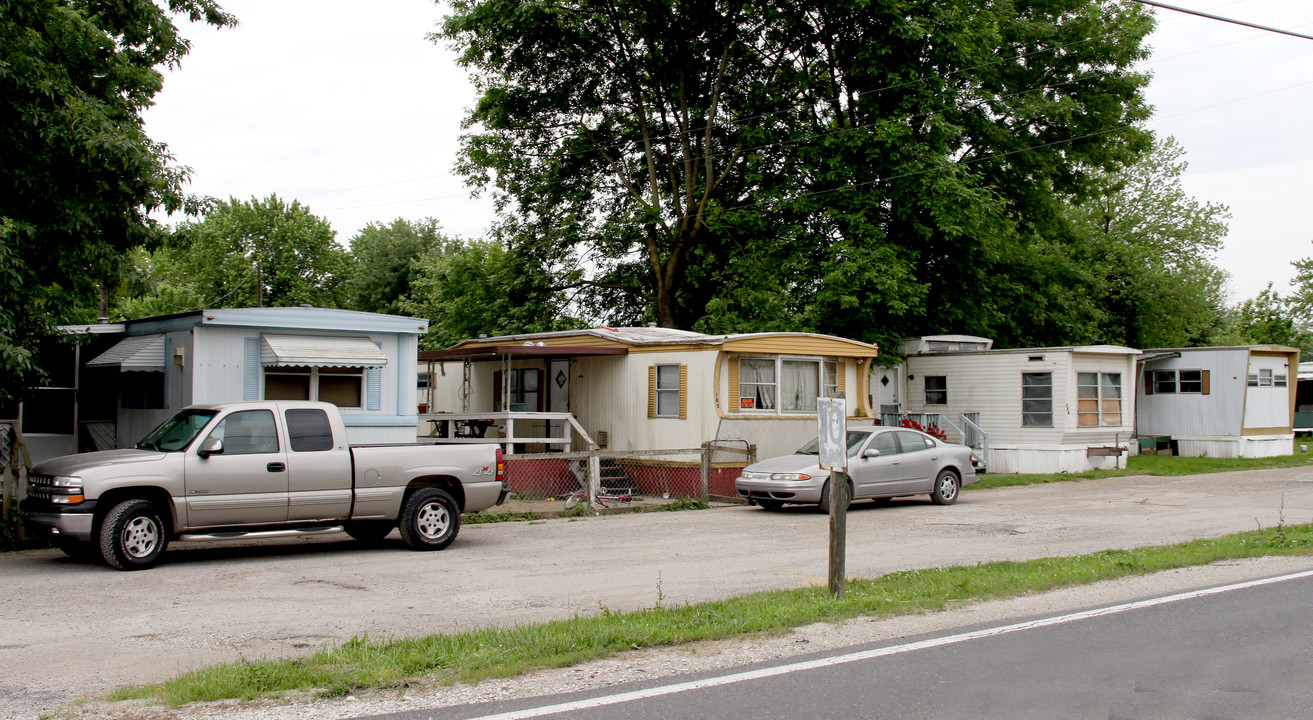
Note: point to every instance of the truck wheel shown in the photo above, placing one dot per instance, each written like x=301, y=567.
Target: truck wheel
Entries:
x=370, y=533
x=132, y=535
x=430, y=519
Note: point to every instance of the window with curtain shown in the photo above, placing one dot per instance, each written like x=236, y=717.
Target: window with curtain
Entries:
x=757, y=383
x=786, y=385
x=798, y=385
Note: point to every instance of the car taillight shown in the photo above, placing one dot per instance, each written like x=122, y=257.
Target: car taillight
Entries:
x=501, y=466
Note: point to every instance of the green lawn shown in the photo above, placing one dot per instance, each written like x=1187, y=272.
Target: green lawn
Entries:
x=1157, y=465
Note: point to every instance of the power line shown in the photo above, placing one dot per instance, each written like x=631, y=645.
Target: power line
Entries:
x=1233, y=21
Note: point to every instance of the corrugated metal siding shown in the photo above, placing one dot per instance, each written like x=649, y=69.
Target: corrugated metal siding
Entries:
x=1217, y=414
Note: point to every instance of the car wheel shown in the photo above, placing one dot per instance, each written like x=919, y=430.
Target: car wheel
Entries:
x=132, y=535
x=824, y=504
x=946, y=488
x=768, y=504
x=369, y=533
x=430, y=519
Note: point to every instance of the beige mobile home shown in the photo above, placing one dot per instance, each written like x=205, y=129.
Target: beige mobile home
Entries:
x=642, y=388
x=1220, y=401
x=1026, y=410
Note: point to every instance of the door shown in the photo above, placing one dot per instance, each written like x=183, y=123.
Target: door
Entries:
x=876, y=476
x=246, y=483
x=558, y=396
x=920, y=460
x=885, y=389
x=319, y=467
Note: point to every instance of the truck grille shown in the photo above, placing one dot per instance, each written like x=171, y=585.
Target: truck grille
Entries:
x=40, y=487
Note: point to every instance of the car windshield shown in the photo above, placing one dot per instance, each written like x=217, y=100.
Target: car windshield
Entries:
x=855, y=439
x=177, y=432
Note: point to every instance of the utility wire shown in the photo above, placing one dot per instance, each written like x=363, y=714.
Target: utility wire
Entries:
x=1233, y=21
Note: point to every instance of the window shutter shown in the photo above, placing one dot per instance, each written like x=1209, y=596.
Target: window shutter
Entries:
x=374, y=386
x=651, y=391
x=733, y=385
x=251, y=371
x=839, y=381
x=683, y=392
x=1148, y=382
x=1205, y=378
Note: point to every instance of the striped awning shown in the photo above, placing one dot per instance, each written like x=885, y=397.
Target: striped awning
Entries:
x=142, y=353
x=320, y=351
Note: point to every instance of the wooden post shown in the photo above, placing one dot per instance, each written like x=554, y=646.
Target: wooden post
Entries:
x=707, y=449
x=839, y=500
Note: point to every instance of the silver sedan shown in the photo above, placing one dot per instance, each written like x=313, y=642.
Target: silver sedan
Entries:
x=883, y=462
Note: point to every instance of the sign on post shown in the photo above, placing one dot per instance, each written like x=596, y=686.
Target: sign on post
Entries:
x=832, y=437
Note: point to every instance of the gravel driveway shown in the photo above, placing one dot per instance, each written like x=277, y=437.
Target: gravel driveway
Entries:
x=71, y=630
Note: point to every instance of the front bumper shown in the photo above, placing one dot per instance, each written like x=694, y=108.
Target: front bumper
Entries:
x=805, y=491
x=53, y=522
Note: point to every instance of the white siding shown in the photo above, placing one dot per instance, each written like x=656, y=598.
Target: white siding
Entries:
x=1270, y=407
x=1217, y=414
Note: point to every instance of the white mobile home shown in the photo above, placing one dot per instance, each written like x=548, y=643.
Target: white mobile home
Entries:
x=1028, y=410
x=130, y=376
x=645, y=388
x=1220, y=401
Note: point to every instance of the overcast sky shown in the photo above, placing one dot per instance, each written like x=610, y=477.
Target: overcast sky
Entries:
x=347, y=107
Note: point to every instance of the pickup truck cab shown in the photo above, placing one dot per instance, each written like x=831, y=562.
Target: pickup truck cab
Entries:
x=256, y=469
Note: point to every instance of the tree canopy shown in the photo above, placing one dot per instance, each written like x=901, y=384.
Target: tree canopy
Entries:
x=385, y=266
x=865, y=168
x=241, y=254
x=78, y=175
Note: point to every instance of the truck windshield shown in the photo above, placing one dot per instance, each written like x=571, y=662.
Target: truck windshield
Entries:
x=177, y=432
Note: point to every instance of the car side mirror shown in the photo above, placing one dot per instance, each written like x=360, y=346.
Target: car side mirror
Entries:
x=211, y=446
x=871, y=453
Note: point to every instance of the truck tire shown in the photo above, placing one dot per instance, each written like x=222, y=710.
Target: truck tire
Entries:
x=133, y=535
x=430, y=519
x=369, y=532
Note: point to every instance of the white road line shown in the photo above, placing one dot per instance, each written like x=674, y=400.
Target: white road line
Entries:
x=879, y=652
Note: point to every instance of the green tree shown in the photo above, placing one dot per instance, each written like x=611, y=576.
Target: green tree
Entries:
x=385, y=263
x=857, y=167
x=465, y=288
x=78, y=175
x=242, y=254
x=1269, y=319
x=1149, y=250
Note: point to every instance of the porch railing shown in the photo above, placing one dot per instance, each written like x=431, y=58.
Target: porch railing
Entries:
x=557, y=430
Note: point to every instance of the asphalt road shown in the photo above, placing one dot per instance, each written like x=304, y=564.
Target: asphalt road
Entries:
x=70, y=629
x=1230, y=652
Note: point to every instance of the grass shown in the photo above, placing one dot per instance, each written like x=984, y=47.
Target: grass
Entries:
x=362, y=663
x=1155, y=465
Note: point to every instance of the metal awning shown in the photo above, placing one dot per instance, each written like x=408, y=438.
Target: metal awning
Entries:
x=1150, y=356
x=497, y=352
x=320, y=351
x=142, y=353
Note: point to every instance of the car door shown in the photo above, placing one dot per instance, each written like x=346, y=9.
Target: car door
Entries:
x=876, y=476
x=920, y=456
x=319, y=472
x=246, y=482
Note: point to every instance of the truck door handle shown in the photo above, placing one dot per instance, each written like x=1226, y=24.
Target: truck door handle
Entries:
x=275, y=467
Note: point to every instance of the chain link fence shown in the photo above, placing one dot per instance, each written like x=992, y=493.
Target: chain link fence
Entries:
x=546, y=483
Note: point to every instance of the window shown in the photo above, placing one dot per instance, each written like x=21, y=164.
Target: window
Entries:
x=142, y=390
x=1265, y=377
x=970, y=346
x=938, y=346
x=1099, y=399
x=308, y=430
x=884, y=442
x=1279, y=381
x=1037, y=399
x=936, y=390
x=786, y=385
x=51, y=409
x=1164, y=382
x=339, y=386
x=757, y=384
x=525, y=388
x=911, y=441
x=247, y=432
x=667, y=391
x=1192, y=381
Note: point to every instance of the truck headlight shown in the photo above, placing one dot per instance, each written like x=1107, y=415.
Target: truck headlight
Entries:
x=66, y=490
x=790, y=477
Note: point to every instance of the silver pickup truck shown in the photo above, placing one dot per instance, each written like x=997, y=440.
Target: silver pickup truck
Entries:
x=256, y=469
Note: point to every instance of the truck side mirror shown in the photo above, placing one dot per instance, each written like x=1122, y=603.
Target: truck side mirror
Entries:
x=871, y=453
x=211, y=446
